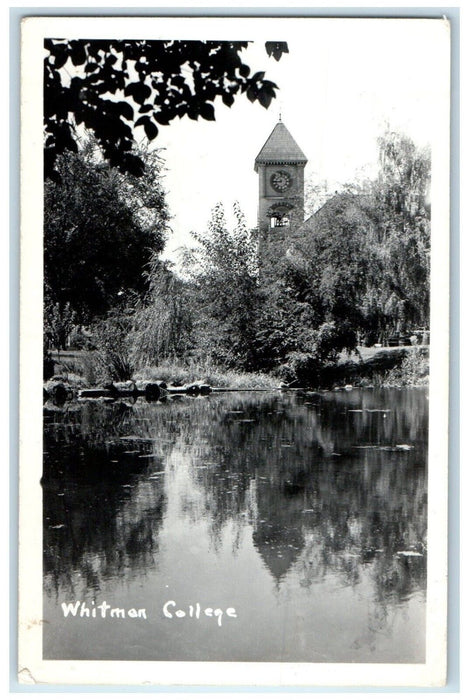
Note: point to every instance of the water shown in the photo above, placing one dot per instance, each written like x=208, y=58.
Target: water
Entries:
x=304, y=515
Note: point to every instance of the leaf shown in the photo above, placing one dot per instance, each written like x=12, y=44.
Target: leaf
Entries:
x=264, y=97
x=207, y=111
x=60, y=56
x=228, y=99
x=251, y=93
x=258, y=76
x=77, y=53
x=139, y=91
x=101, y=68
x=161, y=118
x=90, y=67
x=151, y=129
x=125, y=110
x=276, y=49
x=193, y=111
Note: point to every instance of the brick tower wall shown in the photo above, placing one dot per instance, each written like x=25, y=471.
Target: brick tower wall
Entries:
x=274, y=242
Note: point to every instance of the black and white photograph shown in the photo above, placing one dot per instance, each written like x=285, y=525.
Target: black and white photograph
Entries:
x=234, y=338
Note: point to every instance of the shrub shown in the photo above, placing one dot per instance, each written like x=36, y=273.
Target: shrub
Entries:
x=58, y=323
x=302, y=369
x=79, y=340
x=113, y=347
x=412, y=372
x=306, y=368
x=91, y=369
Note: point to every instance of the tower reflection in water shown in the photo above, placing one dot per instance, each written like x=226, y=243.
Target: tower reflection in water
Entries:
x=326, y=495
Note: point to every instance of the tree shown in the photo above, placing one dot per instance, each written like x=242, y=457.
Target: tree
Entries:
x=162, y=325
x=398, y=295
x=111, y=87
x=100, y=229
x=223, y=274
x=328, y=270
x=364, y=264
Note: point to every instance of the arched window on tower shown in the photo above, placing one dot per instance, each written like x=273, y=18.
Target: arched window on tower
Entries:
x=279, y=220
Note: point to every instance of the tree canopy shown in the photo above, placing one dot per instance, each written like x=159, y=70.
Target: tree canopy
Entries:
x=222, y=271
x=358, y=270
x=398, y=295
x=112, y=86
x=100, y=230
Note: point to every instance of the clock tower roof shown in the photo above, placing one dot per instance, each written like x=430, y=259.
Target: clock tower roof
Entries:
x=279, y=148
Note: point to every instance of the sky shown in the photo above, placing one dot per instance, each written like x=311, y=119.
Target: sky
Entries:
x=341, y=85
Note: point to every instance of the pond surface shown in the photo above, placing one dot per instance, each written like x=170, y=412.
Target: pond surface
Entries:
x=237, y=527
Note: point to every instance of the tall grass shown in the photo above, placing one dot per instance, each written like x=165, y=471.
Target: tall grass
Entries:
x=178, y=373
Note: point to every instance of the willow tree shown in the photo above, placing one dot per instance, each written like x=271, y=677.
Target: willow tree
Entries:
x=163, y=320
x=399, y=289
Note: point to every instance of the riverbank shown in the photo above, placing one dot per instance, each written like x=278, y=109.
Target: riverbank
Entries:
x=78, y=369
x=383, y=367
x=380, y=367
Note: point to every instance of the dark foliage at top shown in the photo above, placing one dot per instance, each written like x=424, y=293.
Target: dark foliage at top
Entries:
x=111, y=87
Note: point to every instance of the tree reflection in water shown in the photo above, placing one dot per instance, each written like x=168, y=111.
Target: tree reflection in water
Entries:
x=326, y=485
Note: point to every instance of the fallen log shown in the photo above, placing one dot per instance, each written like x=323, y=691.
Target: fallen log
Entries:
x=127, y=388
x=176, y=389
x=227, y=388
x=95, y=393
x=190, y=389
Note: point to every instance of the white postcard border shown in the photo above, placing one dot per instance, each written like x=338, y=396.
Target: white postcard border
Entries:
x=32, y=668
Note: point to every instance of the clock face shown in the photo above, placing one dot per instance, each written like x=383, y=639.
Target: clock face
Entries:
x=280, y=181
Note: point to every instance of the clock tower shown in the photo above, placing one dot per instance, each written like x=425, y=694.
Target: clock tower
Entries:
x=280, y=165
